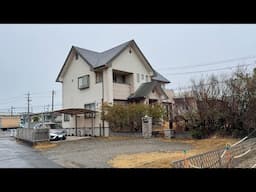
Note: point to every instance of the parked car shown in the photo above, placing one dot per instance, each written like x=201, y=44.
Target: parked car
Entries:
x=55, y=130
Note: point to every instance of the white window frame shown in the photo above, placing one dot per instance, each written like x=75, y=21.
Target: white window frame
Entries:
x=66, y=117
x=90, y=106
x=146, y=78
x=138, y=77
x=99, y=76
x=82, y=84
x=142, y=77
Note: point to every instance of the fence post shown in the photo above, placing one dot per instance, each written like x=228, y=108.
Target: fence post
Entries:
x=228, y=155
x=219, y=156
x=185, y=159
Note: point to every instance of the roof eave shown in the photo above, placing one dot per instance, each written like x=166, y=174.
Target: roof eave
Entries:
x=108, y=63
x=62, y=68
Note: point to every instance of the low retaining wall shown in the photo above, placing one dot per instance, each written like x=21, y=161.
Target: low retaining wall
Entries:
x=32, y=135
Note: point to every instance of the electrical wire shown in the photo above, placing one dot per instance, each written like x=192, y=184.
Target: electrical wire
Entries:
x=208, y=64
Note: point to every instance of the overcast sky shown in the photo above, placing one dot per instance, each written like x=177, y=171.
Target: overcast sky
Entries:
x=31, y=56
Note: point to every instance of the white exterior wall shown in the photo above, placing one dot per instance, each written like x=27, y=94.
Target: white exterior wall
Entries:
x=72, y=97
x=121, y=91
x=130, y=62
x=108, y=85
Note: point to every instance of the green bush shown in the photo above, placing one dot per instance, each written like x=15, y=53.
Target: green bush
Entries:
x=197, y=134
x=128, y=117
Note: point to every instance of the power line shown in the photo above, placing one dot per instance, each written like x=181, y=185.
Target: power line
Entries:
x=212, y=63
x=206, y=84
x=203, y=71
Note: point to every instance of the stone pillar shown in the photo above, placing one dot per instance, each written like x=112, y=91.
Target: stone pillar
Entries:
x=147, y=127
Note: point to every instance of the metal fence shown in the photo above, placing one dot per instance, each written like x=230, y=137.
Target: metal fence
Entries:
x=87, y=131
x=32, y=135
x=220, y=158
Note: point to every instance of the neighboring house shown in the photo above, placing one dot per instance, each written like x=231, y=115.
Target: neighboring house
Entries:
x=182, y=105
x=185, y=106
x=119, y=75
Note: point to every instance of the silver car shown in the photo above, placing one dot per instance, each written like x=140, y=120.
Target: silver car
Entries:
x=55, y=130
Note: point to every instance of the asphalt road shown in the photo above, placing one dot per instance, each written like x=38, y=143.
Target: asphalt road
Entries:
x=19, y=155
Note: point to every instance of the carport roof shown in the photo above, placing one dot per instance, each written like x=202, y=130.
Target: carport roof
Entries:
x=74, y=111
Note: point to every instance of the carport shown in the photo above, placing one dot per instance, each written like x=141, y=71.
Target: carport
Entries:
x=77, y=111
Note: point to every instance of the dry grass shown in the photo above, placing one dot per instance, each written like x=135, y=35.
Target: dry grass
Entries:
x=44, y=146
x=163, y=159
x=116, y=138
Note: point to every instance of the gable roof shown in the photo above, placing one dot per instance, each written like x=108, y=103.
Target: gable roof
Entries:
x=158, y=77
x=98, y=59
x=101, y=59
x=145, y=89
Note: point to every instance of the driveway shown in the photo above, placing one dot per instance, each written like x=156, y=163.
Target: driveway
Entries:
x=19, y=155
x=96, y=152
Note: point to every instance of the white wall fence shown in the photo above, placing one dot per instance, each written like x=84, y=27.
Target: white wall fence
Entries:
x=32, y=135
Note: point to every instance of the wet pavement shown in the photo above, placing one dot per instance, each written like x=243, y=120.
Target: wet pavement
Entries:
x=19, y=155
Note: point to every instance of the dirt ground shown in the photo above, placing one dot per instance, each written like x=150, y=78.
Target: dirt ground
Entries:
x=163, y=159
x=96, y=152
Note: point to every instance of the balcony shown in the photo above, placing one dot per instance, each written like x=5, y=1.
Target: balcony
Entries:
x=121, y=91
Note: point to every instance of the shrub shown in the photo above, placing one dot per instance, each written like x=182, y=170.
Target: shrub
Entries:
x=128, y=117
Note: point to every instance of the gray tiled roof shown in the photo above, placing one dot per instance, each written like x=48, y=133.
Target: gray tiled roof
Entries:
x=159, y=77
x=97, y=59
x=143, y=90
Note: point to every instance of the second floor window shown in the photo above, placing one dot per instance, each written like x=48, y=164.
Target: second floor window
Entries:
x=118, y=78
x=146, y=78
x=142, y=77
x=83, y=82
x=99, y=77
x=138, y=77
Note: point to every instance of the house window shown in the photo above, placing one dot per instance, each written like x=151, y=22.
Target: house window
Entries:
x=123, y=79
x=90, y=106
x=83, y=82
x=76, y=56
x=66, y=117
x=142, y=77
x=117, y=78
x=146, y=78
x=138, y=77
x=114, y=78
x=99, y=77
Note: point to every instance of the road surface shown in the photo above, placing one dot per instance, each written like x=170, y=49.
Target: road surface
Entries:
x=19, y=155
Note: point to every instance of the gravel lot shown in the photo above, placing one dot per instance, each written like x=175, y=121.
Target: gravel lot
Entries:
x=96, y=152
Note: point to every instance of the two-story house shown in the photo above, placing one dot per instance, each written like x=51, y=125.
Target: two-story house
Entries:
x=119, y=75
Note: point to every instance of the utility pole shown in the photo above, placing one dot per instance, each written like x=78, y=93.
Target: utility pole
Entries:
x=28, y=116
x=12, y=108
x=52, y=103
x=53, y=99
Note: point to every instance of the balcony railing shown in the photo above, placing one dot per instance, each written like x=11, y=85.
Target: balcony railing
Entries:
x=121, y=91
